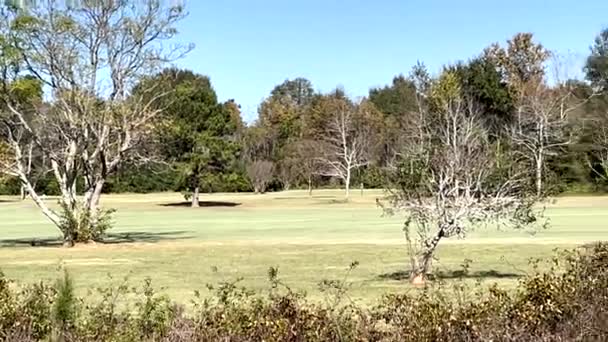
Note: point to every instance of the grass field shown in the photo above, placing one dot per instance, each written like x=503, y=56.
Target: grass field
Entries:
x=309, y=239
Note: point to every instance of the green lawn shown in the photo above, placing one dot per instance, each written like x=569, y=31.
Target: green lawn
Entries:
x=309, y=239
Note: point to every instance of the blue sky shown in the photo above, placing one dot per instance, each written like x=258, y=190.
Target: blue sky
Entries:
x=249, y=46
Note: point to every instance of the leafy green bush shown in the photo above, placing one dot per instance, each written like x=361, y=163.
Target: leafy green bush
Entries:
x=80, y=226
x=568, y=302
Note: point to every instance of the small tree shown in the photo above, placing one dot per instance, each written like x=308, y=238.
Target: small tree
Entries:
x=197, y=133
x=260, y=173
x=288, y=171
x=345, y=145
x=306, y=151
x=450, y=180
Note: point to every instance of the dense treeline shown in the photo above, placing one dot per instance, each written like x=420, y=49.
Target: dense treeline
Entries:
x=566, y=304
x=298, y=137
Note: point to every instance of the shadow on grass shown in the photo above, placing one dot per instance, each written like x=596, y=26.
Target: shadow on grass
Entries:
x=109, y=239
x=305, y=197
x=458, y=274
x=202, y=204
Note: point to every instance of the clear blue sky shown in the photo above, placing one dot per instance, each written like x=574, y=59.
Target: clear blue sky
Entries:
x=249, y=46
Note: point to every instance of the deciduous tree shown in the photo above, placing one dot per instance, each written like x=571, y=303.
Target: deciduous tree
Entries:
x=89, y=57
x=346, y=143
x=449, y=180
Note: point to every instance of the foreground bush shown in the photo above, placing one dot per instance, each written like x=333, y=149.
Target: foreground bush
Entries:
x=568, y=302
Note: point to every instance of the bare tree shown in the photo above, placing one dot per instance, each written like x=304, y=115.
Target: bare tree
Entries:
x=260, y=173
x=306, y=151
x=543, y=126
x=540, y=127
x=345, y=143
x=450, y=180
x=288, y=172
x=90, y=57
x=599, y=151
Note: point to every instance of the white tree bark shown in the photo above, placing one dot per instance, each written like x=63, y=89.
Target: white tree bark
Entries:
x=92, y=119
x=344, y=146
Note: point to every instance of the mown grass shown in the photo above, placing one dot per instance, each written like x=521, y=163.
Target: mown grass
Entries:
x=242, y=235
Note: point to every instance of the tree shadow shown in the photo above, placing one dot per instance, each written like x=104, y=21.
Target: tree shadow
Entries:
x=109, y=239
x=202, y=204
x=147, y=237
x=457, y=274
x=304, y=197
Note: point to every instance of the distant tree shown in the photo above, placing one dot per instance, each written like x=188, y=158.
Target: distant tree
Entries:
x=307, y=152
x=397, y=99
x=289, y=167
x=318, y=116
x=544, y=129
x=346, y=143
x=595, y=120
x=483, y=83
x=298, y=91
x=260, y=173
x=396, y=102
x=234, y=111
x=198, y=134
x=522, y=64
x=281, y=118
x=282, y=111
x=542, y=111
x=26, y=92
x=596, y=67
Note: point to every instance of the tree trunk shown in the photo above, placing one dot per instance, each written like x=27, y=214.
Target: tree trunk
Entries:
x=22, y=193
x=309, y=187
x=93, y=205
x=195, y=202
x=347, y=185
x=419, y=274
x=539, y=174
x=68, y=240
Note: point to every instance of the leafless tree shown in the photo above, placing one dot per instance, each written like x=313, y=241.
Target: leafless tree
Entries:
x=90, y=58
x=542, y=128
x=597, y=160
x=450, y=181
x=306, y=150
x=345, y=143
x=288, y=172
x=260, y=173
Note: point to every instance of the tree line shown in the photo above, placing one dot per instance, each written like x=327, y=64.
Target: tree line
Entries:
x=91, y=104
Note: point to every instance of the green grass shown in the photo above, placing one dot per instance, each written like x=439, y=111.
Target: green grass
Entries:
x=309, y=239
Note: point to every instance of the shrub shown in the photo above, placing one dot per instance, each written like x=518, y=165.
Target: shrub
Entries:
x=80, y=227
x=568, y=302
x=64, y=307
